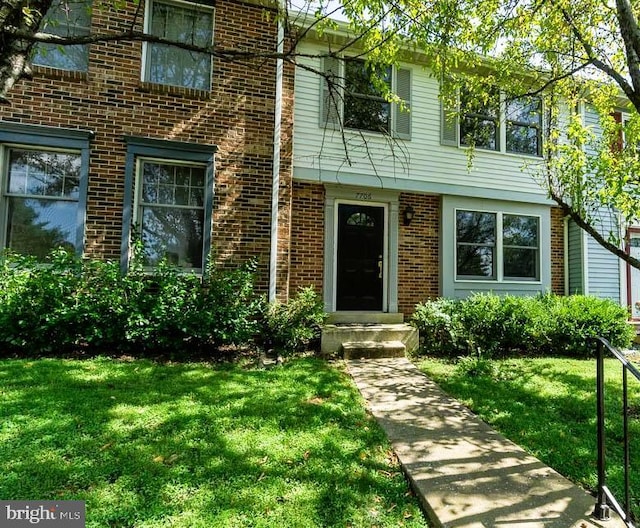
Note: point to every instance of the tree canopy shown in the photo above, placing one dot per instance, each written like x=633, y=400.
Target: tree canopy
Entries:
x=568, y=52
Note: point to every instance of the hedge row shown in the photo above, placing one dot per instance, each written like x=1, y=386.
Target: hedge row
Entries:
x=67, y=302
x=500, y=326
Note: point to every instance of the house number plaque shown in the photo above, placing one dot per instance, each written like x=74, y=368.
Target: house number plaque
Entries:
x=363, y=196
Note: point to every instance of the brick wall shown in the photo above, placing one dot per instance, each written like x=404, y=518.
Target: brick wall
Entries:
x=237, y=116
x=557, y=251
x=307, y=236
x=418, y=251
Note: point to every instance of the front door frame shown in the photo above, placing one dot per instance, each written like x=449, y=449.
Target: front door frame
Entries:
x=366, y=196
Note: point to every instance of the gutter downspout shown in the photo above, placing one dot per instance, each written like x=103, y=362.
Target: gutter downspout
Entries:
x=275, y=185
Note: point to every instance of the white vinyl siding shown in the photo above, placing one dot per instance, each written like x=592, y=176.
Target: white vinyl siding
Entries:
x=420, y=164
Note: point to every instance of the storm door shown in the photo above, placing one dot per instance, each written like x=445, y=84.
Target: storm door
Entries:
x=360, y=257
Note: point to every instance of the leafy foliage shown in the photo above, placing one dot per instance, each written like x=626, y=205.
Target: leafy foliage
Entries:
x=67, y=302
x=292, y=327
x=505, y=325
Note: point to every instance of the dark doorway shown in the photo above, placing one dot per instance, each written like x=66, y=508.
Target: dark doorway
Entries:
x=360, y=257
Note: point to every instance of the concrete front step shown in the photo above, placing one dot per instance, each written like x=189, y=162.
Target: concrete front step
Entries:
x=334, y=335
x=365, y=318
x=373, y=349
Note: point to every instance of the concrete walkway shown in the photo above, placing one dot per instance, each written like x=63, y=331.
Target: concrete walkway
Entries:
x=465, y=474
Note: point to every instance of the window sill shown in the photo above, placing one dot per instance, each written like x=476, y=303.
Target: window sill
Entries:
x=167, y=89
x=496, y=281
x=55, y=73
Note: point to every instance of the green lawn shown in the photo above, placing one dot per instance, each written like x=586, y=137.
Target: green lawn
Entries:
x=195, y=445
x=548, y=407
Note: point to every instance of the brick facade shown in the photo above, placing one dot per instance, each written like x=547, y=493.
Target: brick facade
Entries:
x=237, y=116
x=307, y=236
x=418, y=251
x=557, y=251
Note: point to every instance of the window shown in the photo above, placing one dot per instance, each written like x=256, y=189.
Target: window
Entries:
x=179, y=22
x=479, y=122
x=171, y=213
x=497, y=246
x=520, y=247
x=467, y=121
x=364, y=106
x=66, y=18
x=352, y=100
x=43, y=188
x=168, y=201
x=524, y=125
x=41, y=200
x=475, y=245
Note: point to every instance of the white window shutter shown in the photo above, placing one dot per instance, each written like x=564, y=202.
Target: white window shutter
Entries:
x=449, y=129
x=330, y=96
x=402, y=117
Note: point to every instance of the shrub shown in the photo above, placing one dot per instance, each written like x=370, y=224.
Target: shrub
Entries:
x=441, y=332
x=507, y=325
x=65, y=302
x=291, y=327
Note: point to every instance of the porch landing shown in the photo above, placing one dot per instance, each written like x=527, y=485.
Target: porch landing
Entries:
x=367, y=335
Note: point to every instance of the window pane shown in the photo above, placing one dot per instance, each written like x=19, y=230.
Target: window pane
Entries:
x=67, y=18
x=524, y=110
x=475, y=261
x=175, y=234
x=520, y=263
x=364, y=107
x=478, y=132
x=173, y=66
x=522, y=139
x=479, y=123
x=172, y=184
x=35, y=227
x=520, y=230
x=524, y=122
x=366, y=114
x=475, y=227
x=38, y=173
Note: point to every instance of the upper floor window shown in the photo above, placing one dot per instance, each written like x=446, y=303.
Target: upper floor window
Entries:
x=479, y=122
x=365, y=108
x=511, y=125
x=180, y=22
x=66, y=18
x=497, y=246
x=352, y=99
x=523, y=118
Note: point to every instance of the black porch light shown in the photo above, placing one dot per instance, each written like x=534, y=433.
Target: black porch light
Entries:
x=407, y=215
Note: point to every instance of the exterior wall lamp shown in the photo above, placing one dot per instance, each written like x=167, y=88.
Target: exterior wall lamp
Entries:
x=407, y=215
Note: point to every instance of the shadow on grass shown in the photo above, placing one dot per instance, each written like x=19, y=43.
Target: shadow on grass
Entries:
x=190, y=445
x=548, y=406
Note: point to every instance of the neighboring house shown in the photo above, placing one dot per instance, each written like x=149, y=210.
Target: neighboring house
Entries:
x=387, y=210
x=119, y=141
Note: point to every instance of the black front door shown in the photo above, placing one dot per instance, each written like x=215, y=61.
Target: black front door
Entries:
x=360, y=257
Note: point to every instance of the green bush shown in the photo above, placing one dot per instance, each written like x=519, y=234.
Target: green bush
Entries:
x=511, y=325
x=291, y=327
x=441, y=332
x=66, y=302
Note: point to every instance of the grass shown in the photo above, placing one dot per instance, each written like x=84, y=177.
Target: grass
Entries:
x=548, y=407
x=194, y=445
